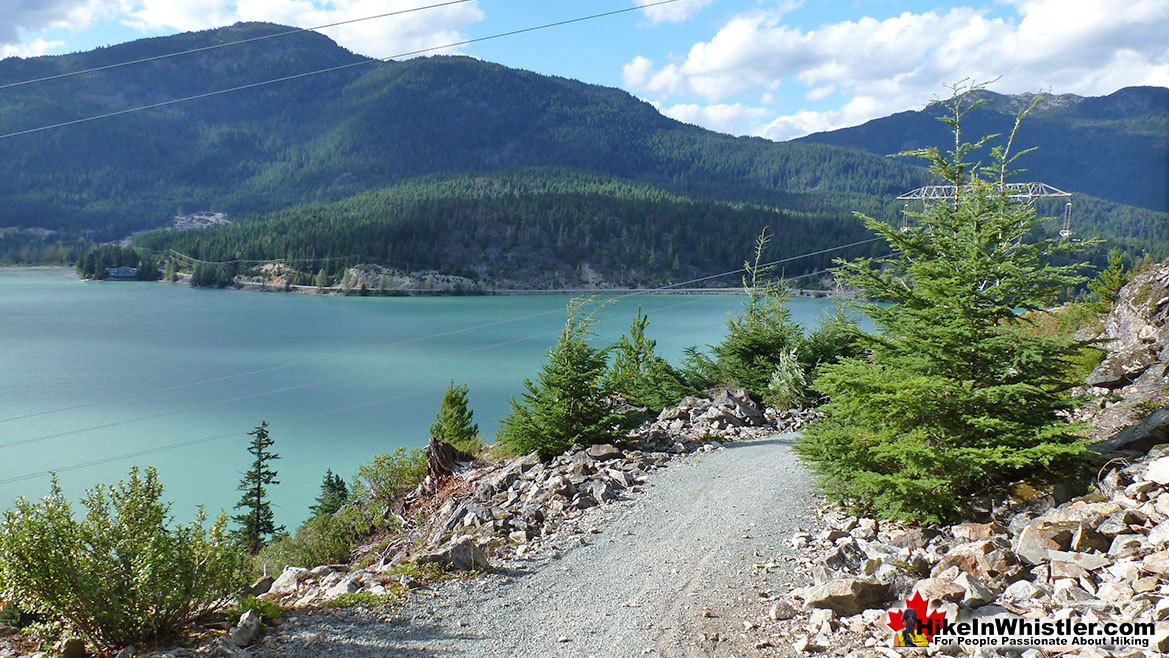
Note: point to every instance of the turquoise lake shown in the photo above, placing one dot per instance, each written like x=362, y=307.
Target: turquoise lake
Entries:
x=98, y=376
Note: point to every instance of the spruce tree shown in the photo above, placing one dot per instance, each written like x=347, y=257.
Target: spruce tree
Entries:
x=257, y=521
x=334, y=495
x=756, y=339
x=955, y=395
x=641, y=376
x=1106, y=286
x=455, y=421
x=568, y=403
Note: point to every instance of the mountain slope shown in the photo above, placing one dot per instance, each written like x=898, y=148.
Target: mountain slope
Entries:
x=1115, y=147
x=334, y=135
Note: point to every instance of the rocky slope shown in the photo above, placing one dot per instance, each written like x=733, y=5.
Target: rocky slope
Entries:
x=1131, y=383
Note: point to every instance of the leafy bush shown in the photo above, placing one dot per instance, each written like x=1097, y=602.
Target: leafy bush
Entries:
x=568, y=403
x=388, y=476
x=639, y=375
x=455, y=421
x=122, y=575
x=266, y=611
x=323, y=539
x=788, y=383
x=953, y=398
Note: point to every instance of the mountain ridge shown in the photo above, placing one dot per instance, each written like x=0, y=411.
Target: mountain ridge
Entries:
x=331, y=138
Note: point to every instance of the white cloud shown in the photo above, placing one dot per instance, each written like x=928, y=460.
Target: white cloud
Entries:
x=1088, y=47
x=635, y=72
x=729, y=118
x=380, y=37
x=34, y=49
x=674, y=12
x=31, y=16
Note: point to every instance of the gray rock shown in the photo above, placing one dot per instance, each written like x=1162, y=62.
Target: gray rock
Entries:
x=247, y=630
x=1158, y=471
x=462, y=554
x=849, y=596
x=1123, y=545
x=603, y=451
x=1088, y=561
x=782, y=609
x=1020, y=590
x=287, y=581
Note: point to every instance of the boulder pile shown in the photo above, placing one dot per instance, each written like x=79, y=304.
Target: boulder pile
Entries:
x=1100, y=557
x=511, y=508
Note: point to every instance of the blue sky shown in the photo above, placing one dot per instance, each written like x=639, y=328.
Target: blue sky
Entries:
x=773, y=68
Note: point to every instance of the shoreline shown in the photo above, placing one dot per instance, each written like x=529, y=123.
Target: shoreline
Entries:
x=337, y=291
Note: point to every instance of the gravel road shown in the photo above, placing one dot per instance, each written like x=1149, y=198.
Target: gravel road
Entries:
x=673, y=570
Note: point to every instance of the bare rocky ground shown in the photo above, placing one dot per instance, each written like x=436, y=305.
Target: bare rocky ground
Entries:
x=681, y=568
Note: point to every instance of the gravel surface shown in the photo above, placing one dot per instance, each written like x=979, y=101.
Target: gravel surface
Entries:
x=673, y=570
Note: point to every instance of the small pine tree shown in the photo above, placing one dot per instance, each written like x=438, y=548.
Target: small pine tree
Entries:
x=568, y=403
x=756, y=338
x=454, y=422
x=1106, y=286
x=321, y=280
x=334, y=495
x=955, y=395
x=641, y=376
x=257, y=521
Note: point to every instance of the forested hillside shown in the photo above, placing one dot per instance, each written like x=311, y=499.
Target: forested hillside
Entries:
x=545, y=228
x=378, y=159
x=331, y=136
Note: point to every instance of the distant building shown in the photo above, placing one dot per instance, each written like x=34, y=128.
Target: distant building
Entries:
x=201, y=219
x=122, y=272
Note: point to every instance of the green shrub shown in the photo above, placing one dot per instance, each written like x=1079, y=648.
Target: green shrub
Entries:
x=568, y=403
x=756, y=338
x=836, y=337
x=266, y=611
x=123, y=574
x=389, y=476
x=323, y=539
x=788, y=384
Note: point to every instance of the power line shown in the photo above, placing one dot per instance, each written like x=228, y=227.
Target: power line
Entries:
x=332, y=69
x=408, y=341
x=299, y=419
x=226, y=44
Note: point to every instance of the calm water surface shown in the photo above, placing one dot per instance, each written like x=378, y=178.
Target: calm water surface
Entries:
x=98, y=376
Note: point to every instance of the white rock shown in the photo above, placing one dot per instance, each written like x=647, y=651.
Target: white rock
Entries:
x=1158, y=471
x=287, y=581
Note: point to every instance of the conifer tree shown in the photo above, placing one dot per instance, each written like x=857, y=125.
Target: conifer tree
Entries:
x=955, y=396
x=639, y=374
x=334, y=494
x=568, y=403
x=756, y=339
x=1106, y=286
x=257, y=521
x=454, y=422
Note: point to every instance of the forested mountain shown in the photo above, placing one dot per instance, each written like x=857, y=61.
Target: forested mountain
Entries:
x=382, y=159
x=334, y=135
x=1115, y=147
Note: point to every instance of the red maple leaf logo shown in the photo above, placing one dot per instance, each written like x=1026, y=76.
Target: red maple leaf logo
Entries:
x=931, y=621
